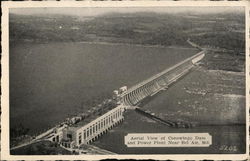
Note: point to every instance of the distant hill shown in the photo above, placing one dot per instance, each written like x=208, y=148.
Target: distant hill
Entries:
x=147, y=28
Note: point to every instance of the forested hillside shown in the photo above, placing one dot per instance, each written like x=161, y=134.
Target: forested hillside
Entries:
x=215, y=30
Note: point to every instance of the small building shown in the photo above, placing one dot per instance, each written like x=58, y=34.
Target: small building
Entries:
x=123, y=89
x=57, y=134
x=116, y=92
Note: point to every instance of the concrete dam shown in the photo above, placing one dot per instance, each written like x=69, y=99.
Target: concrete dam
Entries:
x=158, y=82
x=89, y=126
x=92, y=127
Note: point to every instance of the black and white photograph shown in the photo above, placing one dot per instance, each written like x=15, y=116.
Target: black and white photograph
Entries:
x=125, y=80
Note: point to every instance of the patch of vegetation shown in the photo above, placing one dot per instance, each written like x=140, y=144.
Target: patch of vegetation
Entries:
x=40, y=148
x=18, y=135
x=224, y=61
x=18, y=131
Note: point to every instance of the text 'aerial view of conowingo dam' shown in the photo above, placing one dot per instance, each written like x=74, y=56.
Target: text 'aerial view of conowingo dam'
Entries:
x=149, y=80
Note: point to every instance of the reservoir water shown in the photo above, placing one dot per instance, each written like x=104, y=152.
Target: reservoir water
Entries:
x=49, y=82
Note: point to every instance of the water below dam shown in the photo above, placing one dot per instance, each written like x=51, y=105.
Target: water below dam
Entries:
x=213, y=101
x=50, y=82
x=136, y=123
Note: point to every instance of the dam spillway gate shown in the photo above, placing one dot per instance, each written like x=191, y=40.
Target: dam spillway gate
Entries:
x=159, y=82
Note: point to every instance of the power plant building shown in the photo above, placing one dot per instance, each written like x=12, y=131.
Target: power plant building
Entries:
x=87, y=131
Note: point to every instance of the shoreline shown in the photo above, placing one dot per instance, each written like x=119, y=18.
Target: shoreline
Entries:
x=106, y=43
x=137, y=45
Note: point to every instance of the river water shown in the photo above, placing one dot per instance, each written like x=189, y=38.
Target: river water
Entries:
x=49, y=82
x=136, y=123
x=213, y=101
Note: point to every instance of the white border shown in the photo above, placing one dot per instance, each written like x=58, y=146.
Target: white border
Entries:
x=5, y=79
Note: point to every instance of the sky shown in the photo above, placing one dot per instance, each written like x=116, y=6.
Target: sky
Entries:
x=86, y=11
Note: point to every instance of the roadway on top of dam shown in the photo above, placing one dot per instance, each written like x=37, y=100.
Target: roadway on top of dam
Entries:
x=160, y=74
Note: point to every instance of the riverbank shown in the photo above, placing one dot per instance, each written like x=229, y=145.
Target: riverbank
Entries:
x=108, y=43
